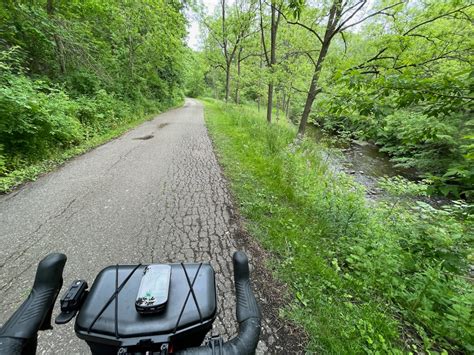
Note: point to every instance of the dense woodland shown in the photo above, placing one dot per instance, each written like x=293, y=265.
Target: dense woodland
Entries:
x=397, y=73
x=389, y=277
x=73, y=70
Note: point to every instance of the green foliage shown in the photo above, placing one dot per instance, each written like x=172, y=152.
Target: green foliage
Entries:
x=3, y=162
x=400, y=186
x=418, y=141
x=25, y=172
x=402, y=77
x=388, y=277
x=34, y=118
x=74, y=71
x=194, y=75
x=101, y=112
x=433, y=145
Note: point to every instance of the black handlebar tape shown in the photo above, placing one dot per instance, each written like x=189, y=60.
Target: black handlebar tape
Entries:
x=248, y=316
x=247, y=306
x=11, y=346
x=35, y=312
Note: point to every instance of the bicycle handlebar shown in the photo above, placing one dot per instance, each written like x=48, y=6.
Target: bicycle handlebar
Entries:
x=248, y=316
x=19, y=334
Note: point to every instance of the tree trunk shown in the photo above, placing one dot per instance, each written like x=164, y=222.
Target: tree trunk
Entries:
x=270, y=102
x=272, y=60
x=57, y=40
x=309, y=103
x=227, y=82
x=259, y=98
x=313, y=89
x=283, y=100
x=50, y=7
x=277, y=106
x=333, y=19
x=61, y=56
x=227, y=61
x=237, y=86
x=131, y=55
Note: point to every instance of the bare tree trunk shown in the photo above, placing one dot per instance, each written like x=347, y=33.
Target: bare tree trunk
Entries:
x=57, y=40
x=313, y=89
x=237, y=87
x=275, y=19
x=227, y=82
x=333, y=19
x=309, y=103
x=270, y=102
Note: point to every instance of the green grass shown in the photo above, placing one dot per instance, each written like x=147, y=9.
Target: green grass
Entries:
x=366, y=279
x=30, y=172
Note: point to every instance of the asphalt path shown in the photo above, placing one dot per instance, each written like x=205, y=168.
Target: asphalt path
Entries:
x=155, y=194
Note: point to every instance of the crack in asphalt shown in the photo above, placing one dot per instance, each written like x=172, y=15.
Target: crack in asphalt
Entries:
x=122, y=157
x=22, y=252
x=160, y=201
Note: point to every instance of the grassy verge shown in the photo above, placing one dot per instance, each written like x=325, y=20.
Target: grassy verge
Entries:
x=30, y=172
x=385, y=278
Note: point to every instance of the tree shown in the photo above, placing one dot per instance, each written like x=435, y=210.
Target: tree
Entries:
x=340, y=17
x=270, y=60
x=228, y=31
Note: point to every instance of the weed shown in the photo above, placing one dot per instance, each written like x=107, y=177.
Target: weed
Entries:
x=361, y=274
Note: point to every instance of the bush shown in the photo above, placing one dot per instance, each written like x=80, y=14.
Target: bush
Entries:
x=35, y=118
x=101, y=112
x=374, y=278
x=439, y=148
x=39, y=120
x=415, y=140
x=3, y=161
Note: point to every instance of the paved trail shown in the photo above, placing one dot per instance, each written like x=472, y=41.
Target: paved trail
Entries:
x=156, y=194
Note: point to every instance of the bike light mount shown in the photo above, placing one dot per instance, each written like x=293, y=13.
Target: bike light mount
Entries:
x=72, y=301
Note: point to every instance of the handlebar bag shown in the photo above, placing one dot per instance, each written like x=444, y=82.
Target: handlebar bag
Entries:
x=108, y=323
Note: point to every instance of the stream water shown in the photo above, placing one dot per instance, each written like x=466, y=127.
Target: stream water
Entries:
x=367, y=164
x=362, y=160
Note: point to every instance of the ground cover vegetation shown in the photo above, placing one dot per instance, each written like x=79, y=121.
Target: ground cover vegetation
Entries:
x=385, y=277
x=397, y=73
x=76, y=73
x=392, y=276
x=378, y=277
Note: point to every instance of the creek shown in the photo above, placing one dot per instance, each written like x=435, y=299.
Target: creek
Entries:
x=365, y=162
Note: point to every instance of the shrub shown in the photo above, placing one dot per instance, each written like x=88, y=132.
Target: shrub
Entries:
x=35, y=117
x=415, y=140
x=362, y=274
x=101, y=112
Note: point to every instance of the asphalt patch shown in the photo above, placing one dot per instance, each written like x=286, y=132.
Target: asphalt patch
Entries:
x=144, y=138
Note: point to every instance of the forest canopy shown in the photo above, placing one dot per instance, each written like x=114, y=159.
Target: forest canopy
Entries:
x=397, y=73
x=72, y=70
